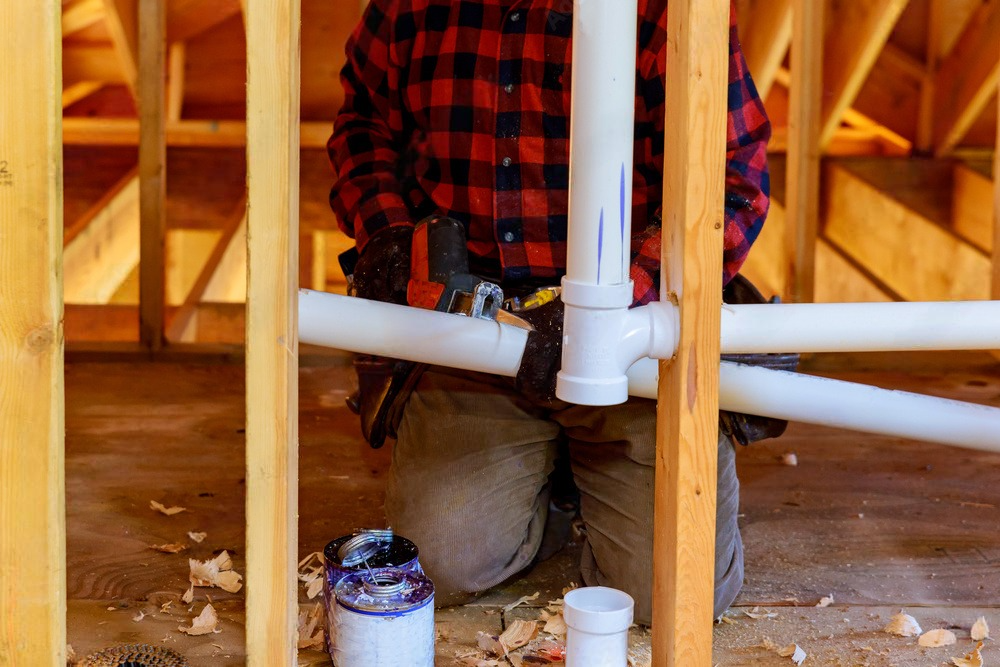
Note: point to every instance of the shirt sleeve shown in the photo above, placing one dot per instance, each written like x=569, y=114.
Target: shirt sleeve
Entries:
x=747, y=180
x=368, y=134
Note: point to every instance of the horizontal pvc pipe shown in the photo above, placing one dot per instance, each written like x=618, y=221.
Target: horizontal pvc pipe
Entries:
x=817, y=400
x=402, y=332
x=861, y=327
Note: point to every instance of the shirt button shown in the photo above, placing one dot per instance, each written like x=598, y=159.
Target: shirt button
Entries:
x=505, y=162
x=508, y=237
x=515, y=17
x=509, y=88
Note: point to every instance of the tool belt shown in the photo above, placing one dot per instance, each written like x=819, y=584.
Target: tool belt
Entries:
x=385, y=385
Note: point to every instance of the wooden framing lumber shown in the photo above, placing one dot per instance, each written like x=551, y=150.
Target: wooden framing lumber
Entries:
x=766, y=33
x=175, y=81
x=972, y=206
x=122, y=20
x=80, y=90
x=81, y=14
x=91, y=62
x=843, y=280
x=925, y=112
x=860, y=31
x=273, y=33
x=199, y=133
x=152, y=172
x=32, y=421
x=687, y=409
x=967, y=78
x=995, y=281
x=102, y=247
x=183, y=324
x=229, y=281
x=913, y=256
x=804, y=128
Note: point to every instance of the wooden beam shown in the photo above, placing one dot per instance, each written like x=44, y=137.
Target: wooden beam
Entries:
x=80, y=15
x=967, y=78
x=273, y=33
x=925, y=114
x=91, y=62
x=195, y=133
x=903, y=249
x=122, y=21
x=972, y=206
x=183, y=324
x=79, y=91
x=903, y=61
x=860, y=30
x=32, y=418
x=804, y=128
x=152, y=171
x=995, y=281
x=687, y=409
x=102, y=247
x=766, y=34
x=175, y=81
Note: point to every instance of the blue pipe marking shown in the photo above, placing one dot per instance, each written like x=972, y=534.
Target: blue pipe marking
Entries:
x=600, y=245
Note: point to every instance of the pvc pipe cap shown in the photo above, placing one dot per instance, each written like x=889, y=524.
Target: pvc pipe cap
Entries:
x=598, y=610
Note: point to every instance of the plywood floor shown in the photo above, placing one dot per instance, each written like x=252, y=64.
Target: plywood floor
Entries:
x=878, y=523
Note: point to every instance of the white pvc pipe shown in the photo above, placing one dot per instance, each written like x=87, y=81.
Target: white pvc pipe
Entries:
x=602, y=114
x=856, y=327
x=597, y=289
x=597, y=622
x=402, y=332
x=818, y=400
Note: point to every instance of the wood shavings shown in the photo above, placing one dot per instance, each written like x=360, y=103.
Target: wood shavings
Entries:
x=165, y=607
x=640, y=656
x=903, y=625
x=521, y=600
x=197, y=537
x=311, y=574
x=473, y=661
x=980, y=629
x=725, y=619
x=489, y=643
x=188, y=596
x=756, y=613
x=71, y=658
x=572, y=585
x=215, y=572
x=795, y=652
x=555, y=625
x=971, y=659
x=174, y=548
x=790, y=459
x=203, y=624
x=138, y=617
x=169, y=511
x=825, y=601
x=310, y=631
x=518, y=634
x=936, y=638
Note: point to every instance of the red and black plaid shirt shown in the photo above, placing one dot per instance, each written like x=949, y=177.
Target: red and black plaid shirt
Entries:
x=461, y=108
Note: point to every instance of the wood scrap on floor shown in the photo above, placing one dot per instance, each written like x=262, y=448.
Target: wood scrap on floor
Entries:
x=215, y=572
x=311, y=634
x=937, y=638
x=163, y=509
x=974, y=658
x=903, y=625
x=311, y=573
x=980, y=629
x=203, y=624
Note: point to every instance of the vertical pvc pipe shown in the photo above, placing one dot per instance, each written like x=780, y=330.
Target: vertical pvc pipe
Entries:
x=602, y=116
x=596, y=289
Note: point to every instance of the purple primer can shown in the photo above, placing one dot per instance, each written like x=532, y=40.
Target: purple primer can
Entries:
x=347, y=554
x=387, y=621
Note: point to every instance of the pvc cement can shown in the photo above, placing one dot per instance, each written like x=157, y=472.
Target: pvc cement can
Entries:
x=381, y=548
x=385, y=622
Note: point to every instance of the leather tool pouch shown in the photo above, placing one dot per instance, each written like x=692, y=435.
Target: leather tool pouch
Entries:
x=743, y=428
x=384, y=385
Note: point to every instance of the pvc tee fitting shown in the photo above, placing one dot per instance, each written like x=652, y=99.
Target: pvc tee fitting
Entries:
x=597, y=620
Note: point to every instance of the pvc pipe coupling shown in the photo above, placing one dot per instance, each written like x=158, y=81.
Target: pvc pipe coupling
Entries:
x=597, y=622
x=602, y=338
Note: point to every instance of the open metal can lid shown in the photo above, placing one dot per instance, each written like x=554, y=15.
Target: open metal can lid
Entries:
x=363, y=546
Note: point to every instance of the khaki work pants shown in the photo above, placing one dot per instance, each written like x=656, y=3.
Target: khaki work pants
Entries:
x=468, y=484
